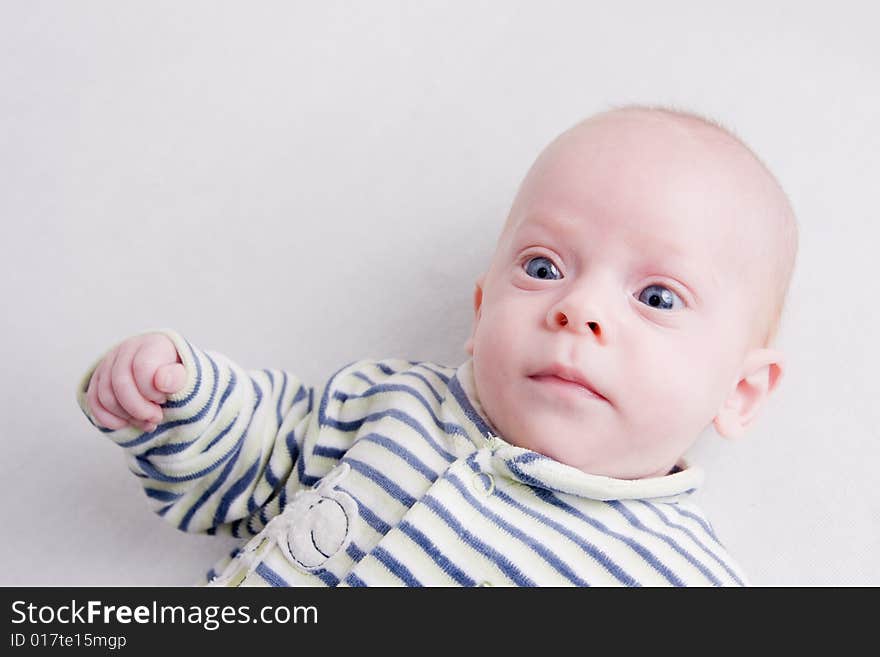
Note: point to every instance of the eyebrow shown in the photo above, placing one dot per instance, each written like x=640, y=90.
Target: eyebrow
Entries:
x=546, y=222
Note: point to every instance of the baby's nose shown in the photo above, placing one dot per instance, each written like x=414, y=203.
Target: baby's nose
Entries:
x=561, y=319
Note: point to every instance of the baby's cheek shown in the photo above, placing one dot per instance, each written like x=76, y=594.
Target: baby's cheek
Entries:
x=663, y=392
x=497, y=336
x=693, y=390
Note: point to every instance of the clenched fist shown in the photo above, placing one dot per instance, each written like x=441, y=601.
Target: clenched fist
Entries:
x=132, y=380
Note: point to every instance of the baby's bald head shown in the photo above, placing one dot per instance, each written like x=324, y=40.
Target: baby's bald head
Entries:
x=762, y=233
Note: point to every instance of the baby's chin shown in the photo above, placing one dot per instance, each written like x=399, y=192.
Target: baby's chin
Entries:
x=590, y=453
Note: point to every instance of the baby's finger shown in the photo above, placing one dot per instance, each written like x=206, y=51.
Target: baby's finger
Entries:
x=103, y=417
x=105, y=389
x=143, y=367
x=156, y=350
x=170, y=378
x=125, y=390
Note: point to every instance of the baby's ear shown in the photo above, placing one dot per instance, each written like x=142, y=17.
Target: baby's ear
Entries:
x=761, y=373
x=478, y=302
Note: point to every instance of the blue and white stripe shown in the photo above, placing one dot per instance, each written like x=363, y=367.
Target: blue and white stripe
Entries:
x=440, y=501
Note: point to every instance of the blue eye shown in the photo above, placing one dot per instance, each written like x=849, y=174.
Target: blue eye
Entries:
x=543, y=268
x=658, y=296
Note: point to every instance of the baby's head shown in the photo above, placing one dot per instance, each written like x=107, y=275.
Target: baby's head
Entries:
x=647, y=254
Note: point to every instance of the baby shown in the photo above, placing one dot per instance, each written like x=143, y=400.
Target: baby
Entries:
x=632, y=300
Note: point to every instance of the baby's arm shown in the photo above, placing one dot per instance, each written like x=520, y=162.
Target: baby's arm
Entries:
x=213, y=445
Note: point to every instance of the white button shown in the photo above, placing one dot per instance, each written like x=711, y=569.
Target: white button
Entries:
x=484, y=483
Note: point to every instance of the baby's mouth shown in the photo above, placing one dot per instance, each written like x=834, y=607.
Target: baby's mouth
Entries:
x=567, y=379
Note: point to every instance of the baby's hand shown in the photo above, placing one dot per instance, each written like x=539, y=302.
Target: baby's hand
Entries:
x=132, y=380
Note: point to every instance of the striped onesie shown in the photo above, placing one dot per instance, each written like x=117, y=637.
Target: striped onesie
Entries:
x=391, y=475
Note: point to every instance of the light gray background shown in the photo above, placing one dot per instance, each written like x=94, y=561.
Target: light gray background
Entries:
x=300, y=184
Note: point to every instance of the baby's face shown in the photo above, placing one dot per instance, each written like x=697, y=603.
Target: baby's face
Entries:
x=628, y=263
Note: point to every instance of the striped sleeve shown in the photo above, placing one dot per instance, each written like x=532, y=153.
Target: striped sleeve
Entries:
x=227, y=452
